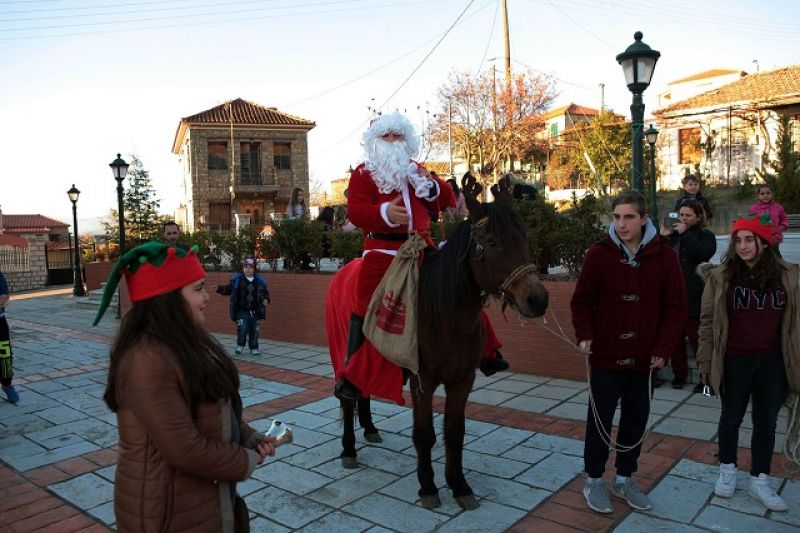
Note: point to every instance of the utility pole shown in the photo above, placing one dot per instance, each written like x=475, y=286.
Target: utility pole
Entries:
x=507, y=43
x=602, y=97
x=450, y=133
x=494, y=115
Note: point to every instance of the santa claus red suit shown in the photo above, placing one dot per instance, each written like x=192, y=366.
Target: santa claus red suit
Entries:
x=388, y=197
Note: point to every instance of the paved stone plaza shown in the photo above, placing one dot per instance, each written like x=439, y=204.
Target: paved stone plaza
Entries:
x=523, y=447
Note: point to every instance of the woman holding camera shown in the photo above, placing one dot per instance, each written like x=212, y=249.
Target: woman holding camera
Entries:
x=695, y=244
x=750, y=347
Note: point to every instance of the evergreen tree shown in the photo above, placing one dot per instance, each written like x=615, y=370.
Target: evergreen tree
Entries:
x=784, y=175
x=142, y=221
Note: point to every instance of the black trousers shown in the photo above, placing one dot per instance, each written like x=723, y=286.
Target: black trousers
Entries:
x=609, y=387
x=763, y=378
x=6, y=360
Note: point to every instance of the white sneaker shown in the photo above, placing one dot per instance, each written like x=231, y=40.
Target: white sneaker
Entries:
x=238, y=350
x=255, y=351
x=726, y=484
x=761, y=491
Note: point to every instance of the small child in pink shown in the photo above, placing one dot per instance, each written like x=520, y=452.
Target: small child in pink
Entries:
x=766, y=205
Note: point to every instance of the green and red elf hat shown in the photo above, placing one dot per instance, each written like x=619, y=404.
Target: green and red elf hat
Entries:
x=760, y=225
x=151, y=269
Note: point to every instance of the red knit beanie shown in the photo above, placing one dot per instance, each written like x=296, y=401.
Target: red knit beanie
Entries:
x=759, y=225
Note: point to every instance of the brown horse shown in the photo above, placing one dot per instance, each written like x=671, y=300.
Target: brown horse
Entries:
x=486, y=255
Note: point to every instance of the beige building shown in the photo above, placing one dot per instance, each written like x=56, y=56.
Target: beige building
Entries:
x=240, y=164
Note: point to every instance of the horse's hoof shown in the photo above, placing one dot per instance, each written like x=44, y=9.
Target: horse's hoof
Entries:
x=349, y=462
x=373, y=437
x=468, y=502
x=430, y=501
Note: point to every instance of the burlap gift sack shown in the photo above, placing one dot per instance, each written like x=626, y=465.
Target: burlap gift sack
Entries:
x=391, y=320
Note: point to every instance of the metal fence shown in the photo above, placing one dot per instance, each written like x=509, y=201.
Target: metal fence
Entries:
x=14, y=259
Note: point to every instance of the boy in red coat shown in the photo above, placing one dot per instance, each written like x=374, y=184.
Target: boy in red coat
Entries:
x=628, y=310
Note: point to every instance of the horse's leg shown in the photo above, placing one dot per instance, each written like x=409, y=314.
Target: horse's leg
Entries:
x=348, y=434
x=365, y=421
x=424, y=438
x=457, y=394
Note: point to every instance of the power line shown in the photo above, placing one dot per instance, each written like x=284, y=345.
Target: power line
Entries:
x=489, y=41
x=218, y=21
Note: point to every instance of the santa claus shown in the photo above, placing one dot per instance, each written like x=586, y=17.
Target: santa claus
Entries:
x=389, y=196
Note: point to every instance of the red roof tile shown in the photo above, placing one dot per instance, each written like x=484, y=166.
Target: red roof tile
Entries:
x=13, y=240
x=781, y=86
x=246, y=113
x=30, y=223
x=571, y=109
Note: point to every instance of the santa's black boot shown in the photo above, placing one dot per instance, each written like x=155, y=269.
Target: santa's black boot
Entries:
x=344, y=390
x=493, y=366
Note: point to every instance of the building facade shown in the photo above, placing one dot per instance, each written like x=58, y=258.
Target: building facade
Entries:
x=729, y=133
x=240, y=163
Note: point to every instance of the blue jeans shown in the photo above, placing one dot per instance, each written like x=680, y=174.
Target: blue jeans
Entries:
x=247, y=325
x=763, y=378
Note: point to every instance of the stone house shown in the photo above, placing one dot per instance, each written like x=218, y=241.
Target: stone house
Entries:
x=730, y=132
x=240, y=163
x=34, y=251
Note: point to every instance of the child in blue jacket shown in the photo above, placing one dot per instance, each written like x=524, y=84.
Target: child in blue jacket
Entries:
x=247, y=291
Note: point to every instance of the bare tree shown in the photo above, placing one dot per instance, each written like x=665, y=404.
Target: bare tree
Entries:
x=491, y=127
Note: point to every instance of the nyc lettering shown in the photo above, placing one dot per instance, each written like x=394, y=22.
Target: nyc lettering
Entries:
x=742, y=297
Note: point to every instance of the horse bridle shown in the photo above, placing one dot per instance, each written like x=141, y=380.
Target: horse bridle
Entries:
x=516, y=274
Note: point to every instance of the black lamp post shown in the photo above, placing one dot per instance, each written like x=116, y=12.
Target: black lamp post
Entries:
x=638, y=63
x=651, y=134
x=120, y=169
x=77, y=287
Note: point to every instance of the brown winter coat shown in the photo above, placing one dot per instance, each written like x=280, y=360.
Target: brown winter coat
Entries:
x=174, y=464
x=714, y=325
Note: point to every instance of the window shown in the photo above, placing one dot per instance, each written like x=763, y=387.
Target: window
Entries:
x=217, y=156
x=553, y=130
x=282, y=156
x=250, y=163
x=219, y=215
x=689, y=146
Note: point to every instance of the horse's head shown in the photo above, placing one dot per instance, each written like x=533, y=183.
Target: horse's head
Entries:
x=498, y=250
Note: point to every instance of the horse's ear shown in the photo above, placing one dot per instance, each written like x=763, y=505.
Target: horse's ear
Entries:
x=502, y=191
x=471, y=189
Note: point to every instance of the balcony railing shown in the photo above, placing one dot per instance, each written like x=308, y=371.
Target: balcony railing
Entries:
x=250, y=177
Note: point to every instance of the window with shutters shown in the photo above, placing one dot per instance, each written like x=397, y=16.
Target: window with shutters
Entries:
x=282, y=155
x=219, y=216
x=217, y=155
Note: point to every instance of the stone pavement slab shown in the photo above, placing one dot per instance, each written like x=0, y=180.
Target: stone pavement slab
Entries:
x=523, y=457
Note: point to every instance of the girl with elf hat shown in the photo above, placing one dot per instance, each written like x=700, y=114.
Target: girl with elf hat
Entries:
x=182, y=442
x=750, y=347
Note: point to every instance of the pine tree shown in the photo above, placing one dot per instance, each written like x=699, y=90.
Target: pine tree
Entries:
x=141, y=207
x=784, y=174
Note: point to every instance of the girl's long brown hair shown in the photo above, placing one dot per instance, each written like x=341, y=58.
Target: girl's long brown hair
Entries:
x=167, y=320
x=765, y=273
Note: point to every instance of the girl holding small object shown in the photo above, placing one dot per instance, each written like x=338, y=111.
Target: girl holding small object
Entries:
x=183, y=444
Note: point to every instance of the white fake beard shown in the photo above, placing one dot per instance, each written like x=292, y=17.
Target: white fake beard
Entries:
x=388, y=163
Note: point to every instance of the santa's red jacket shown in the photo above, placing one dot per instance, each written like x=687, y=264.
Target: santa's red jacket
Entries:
x=364, y=204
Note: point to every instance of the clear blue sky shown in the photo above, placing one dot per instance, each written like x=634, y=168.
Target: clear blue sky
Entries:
x=83, y=80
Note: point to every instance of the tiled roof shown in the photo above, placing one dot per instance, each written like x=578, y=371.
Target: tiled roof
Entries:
x=781, y=86
x=30, y=223
x=246, y=113
x=571, y=109
x=712, y=73
x=13, y=240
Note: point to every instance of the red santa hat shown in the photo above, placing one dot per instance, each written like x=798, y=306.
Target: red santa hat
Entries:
x=760, y=225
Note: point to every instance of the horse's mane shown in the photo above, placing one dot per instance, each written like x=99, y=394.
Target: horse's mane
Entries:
x=447, y=285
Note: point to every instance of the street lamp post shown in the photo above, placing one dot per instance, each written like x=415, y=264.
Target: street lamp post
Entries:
x=77, y=287
x=638, y=63
x=120, y=169
x=651, y=134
